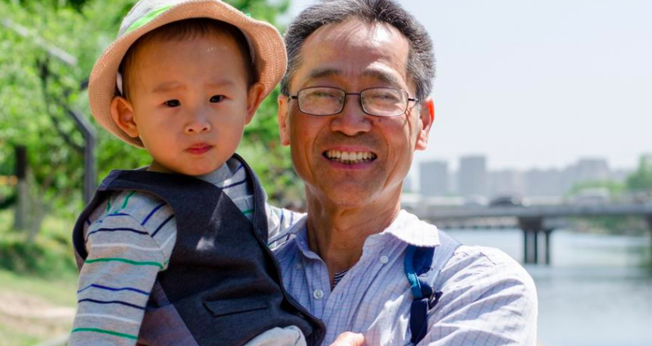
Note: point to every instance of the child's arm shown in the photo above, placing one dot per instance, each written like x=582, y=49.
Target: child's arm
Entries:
x=115, y=282
x=279, y=219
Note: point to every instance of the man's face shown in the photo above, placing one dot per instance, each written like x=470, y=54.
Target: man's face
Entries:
x=354, y=56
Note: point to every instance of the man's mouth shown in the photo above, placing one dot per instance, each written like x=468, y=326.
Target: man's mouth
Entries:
x=349, y=157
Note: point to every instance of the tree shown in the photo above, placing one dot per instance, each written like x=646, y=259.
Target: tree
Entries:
x=37, y=88
x=641, y=179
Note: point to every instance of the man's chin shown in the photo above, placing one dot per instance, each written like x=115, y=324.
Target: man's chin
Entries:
x=345, y=196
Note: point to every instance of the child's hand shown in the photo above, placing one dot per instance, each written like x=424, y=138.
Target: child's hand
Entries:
x=349, y=339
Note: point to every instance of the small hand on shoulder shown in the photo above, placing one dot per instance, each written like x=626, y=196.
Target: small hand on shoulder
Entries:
x=349, y=339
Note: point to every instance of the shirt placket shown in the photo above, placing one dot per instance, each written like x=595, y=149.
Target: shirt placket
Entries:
x=316, y=278
x=344, y=291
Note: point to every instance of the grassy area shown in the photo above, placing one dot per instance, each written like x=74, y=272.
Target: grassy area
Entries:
x=37, y=282
x=28, y=302
x=57, y=292
x=9, y=336
x=49, y=256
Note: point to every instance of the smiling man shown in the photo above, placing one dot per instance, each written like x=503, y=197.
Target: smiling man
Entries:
x=355, y=106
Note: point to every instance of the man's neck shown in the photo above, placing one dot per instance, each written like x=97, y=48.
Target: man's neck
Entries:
x=337, y=234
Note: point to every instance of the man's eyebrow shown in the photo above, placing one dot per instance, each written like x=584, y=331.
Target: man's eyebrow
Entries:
x=324, y=73
x=383, y=76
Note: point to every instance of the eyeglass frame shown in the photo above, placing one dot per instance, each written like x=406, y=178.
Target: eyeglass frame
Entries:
x=407, y=103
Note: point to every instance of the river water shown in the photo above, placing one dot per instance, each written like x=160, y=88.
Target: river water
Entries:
x=596, y=292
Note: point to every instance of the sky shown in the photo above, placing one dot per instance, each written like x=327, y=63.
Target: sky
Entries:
x=538, y=84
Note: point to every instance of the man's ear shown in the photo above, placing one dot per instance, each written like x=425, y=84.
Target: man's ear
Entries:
x=254, y=98
x=122, y=113
x=284, y=119
x=426, y=118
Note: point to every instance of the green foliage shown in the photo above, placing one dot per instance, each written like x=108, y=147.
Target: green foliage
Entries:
x=50, y=256
x=638, y=182
x=641, y=180
x=615, y=188
x=626, y=225
x=27, y=117
x=54, y=4
x=34, y=103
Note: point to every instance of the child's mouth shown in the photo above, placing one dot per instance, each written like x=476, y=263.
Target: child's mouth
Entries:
x=198, y=149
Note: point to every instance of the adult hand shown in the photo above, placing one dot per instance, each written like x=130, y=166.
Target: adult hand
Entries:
x=349, y=339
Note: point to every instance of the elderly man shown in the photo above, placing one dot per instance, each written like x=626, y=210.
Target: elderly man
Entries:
x=355, y=106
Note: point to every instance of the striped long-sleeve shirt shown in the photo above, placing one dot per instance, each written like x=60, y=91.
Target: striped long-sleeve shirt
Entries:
x=129, y=240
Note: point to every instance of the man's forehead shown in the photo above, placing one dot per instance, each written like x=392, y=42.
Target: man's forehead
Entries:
x=384, y=75
x=355, y=30
x=354, y=47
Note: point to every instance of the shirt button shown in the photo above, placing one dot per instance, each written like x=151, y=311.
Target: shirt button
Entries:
x=297, y=266
x=318, y=294
x=384, y=259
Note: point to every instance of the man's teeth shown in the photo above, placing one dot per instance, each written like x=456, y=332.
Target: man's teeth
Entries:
x=349, y=157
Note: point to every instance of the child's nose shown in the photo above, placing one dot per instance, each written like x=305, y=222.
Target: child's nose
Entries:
x=197, y=124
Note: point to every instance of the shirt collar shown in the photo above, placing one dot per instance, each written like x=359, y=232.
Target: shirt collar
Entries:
x=406, y=228
x=218, y=176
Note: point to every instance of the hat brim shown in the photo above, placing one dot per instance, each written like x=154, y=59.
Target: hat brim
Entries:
x=270, y=58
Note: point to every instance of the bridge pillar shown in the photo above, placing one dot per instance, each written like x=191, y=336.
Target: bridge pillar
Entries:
x=547, y=233
x=649, y=225
x=531, y=227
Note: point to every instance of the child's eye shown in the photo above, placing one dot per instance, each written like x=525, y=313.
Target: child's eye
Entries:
x=217, y=98
x=172, y=103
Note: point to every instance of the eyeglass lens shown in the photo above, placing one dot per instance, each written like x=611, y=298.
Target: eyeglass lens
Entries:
x=374, y=101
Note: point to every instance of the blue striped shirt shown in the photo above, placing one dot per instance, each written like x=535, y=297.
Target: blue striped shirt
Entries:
x=488, y=298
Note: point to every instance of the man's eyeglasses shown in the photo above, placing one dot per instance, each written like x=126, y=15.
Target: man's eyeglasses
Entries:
x=381, y=102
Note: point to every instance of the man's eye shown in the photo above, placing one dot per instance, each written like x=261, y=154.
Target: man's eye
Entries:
x=172, y=103
x=217, y=98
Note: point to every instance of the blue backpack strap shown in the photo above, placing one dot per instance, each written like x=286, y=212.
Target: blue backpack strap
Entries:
x=420, y=272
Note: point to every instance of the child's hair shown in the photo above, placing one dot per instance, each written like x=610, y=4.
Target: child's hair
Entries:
x=188, y=29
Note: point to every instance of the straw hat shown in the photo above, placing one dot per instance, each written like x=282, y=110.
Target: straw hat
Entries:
x=265, y=42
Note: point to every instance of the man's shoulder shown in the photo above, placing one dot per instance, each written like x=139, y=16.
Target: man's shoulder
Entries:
x=469, y=256
x=485, y=269
x=484, y=293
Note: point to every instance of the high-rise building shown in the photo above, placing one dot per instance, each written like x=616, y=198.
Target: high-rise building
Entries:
x=472, y=176
x=506, y=183
x=552, y=182
x=545, y=183
x=434, y=178
x=591, y=170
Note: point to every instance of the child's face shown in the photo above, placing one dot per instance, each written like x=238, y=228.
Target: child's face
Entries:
x=189, y=102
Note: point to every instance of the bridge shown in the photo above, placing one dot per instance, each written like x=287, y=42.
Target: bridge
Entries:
x=532, y=220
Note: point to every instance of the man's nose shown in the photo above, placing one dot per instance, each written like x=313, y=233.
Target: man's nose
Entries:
x=351, y=120
x=197, y=123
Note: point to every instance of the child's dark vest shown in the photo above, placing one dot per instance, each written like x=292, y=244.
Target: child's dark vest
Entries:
x=223, y=285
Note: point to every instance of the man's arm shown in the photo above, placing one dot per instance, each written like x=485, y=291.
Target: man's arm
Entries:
x=488, y=299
